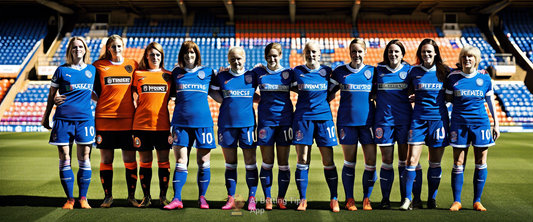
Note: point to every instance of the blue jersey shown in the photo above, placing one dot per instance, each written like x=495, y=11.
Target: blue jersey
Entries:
x=237, y=90
x=430, y=103
x=77, y=86
x=392, y=102
x=312, y=101
x=469, y=91
x=275, y=107
x=192, y=87
x=356, y=107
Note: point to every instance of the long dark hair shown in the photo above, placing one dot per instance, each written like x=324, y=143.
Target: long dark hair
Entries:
x=442, y=69
x=386, y=52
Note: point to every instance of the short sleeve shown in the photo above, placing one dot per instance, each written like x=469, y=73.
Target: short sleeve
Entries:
x=57, y=78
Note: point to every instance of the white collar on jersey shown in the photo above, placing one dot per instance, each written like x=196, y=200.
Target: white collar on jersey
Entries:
x=393, y=70
x=312, y=70
x=433, y=68
x=274, y=71
x=471, y=75
x=349, y=67
x=239, y=73
x=154, y=70
x=117, y=63
x=78, y=67
x=196, y=68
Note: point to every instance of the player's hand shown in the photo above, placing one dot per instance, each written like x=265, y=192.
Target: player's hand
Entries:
x=496, y=132
x=260, y=65
x=58, y=100
x=412, y=98
x=223, y=69
x=46, y=122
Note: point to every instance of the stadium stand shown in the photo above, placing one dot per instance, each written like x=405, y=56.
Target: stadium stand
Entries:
x=518, y=26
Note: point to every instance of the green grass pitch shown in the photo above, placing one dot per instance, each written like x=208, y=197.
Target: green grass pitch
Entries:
x=30, y=189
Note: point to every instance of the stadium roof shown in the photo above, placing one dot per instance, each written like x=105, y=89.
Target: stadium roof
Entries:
x=242, y=8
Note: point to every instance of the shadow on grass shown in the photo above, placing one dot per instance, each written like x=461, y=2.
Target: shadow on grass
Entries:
x=37, y=201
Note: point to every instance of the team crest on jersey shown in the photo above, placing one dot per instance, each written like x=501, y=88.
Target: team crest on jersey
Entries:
x=285, y=75
x=367, y=74
x=299, y=135
x=379, y=133
x=220, y=137
x=166, y=77
x=479, y=82
x=342, y=134
x=453, y=136
x=201, y=74
x=128, y=68
x=262, y=134
x=403, y=75
x=137, y=142
x=89, y=74
x=248, y=79
x=322, y=72
x=98, y=139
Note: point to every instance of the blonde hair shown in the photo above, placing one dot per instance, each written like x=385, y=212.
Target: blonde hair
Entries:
x=235, y=48
x=358, y=41
x=144, y=65
x=308, y=44
x=86, y=57
x=472, y=50
x=107, y=55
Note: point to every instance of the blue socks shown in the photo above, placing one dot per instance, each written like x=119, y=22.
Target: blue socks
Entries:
x=266, y=178
x=332, y=178
x=409, y=177
x=433, y=177
x=348, y=178
x=203, y=177
x=480, y=176
x=457, y=182
x=284, y=179
x=301, y=176
x=84, y=176
x=180, y=177
x=252, y=179
x=231, y=178
x=386, y=178
x=67, y=177
x=369, y=178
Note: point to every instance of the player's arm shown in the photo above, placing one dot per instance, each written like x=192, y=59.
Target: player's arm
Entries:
x=49, y=105
x=332, y=88
x=492, y=108
x=374, y=91
x=214, y=89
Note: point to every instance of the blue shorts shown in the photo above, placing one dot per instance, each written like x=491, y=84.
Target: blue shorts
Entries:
x=323, y=131
x=388, y=135
x=433, y=133
x=203, y=138
x=351, y=135
x=461, y=136
x=65, y=132
x=237, y=137
x=270, y=135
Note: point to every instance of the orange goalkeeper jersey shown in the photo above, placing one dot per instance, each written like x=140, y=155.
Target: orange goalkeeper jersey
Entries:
x=113, y=86
x=153, y=88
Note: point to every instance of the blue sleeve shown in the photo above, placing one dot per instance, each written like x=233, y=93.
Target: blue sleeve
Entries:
x=57, y=78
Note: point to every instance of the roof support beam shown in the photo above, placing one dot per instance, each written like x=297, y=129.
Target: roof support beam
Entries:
x=494, y=8
x=183, y=9
x=56, y=6
x=231, y=10
x=292, y=10
x=355, y=10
